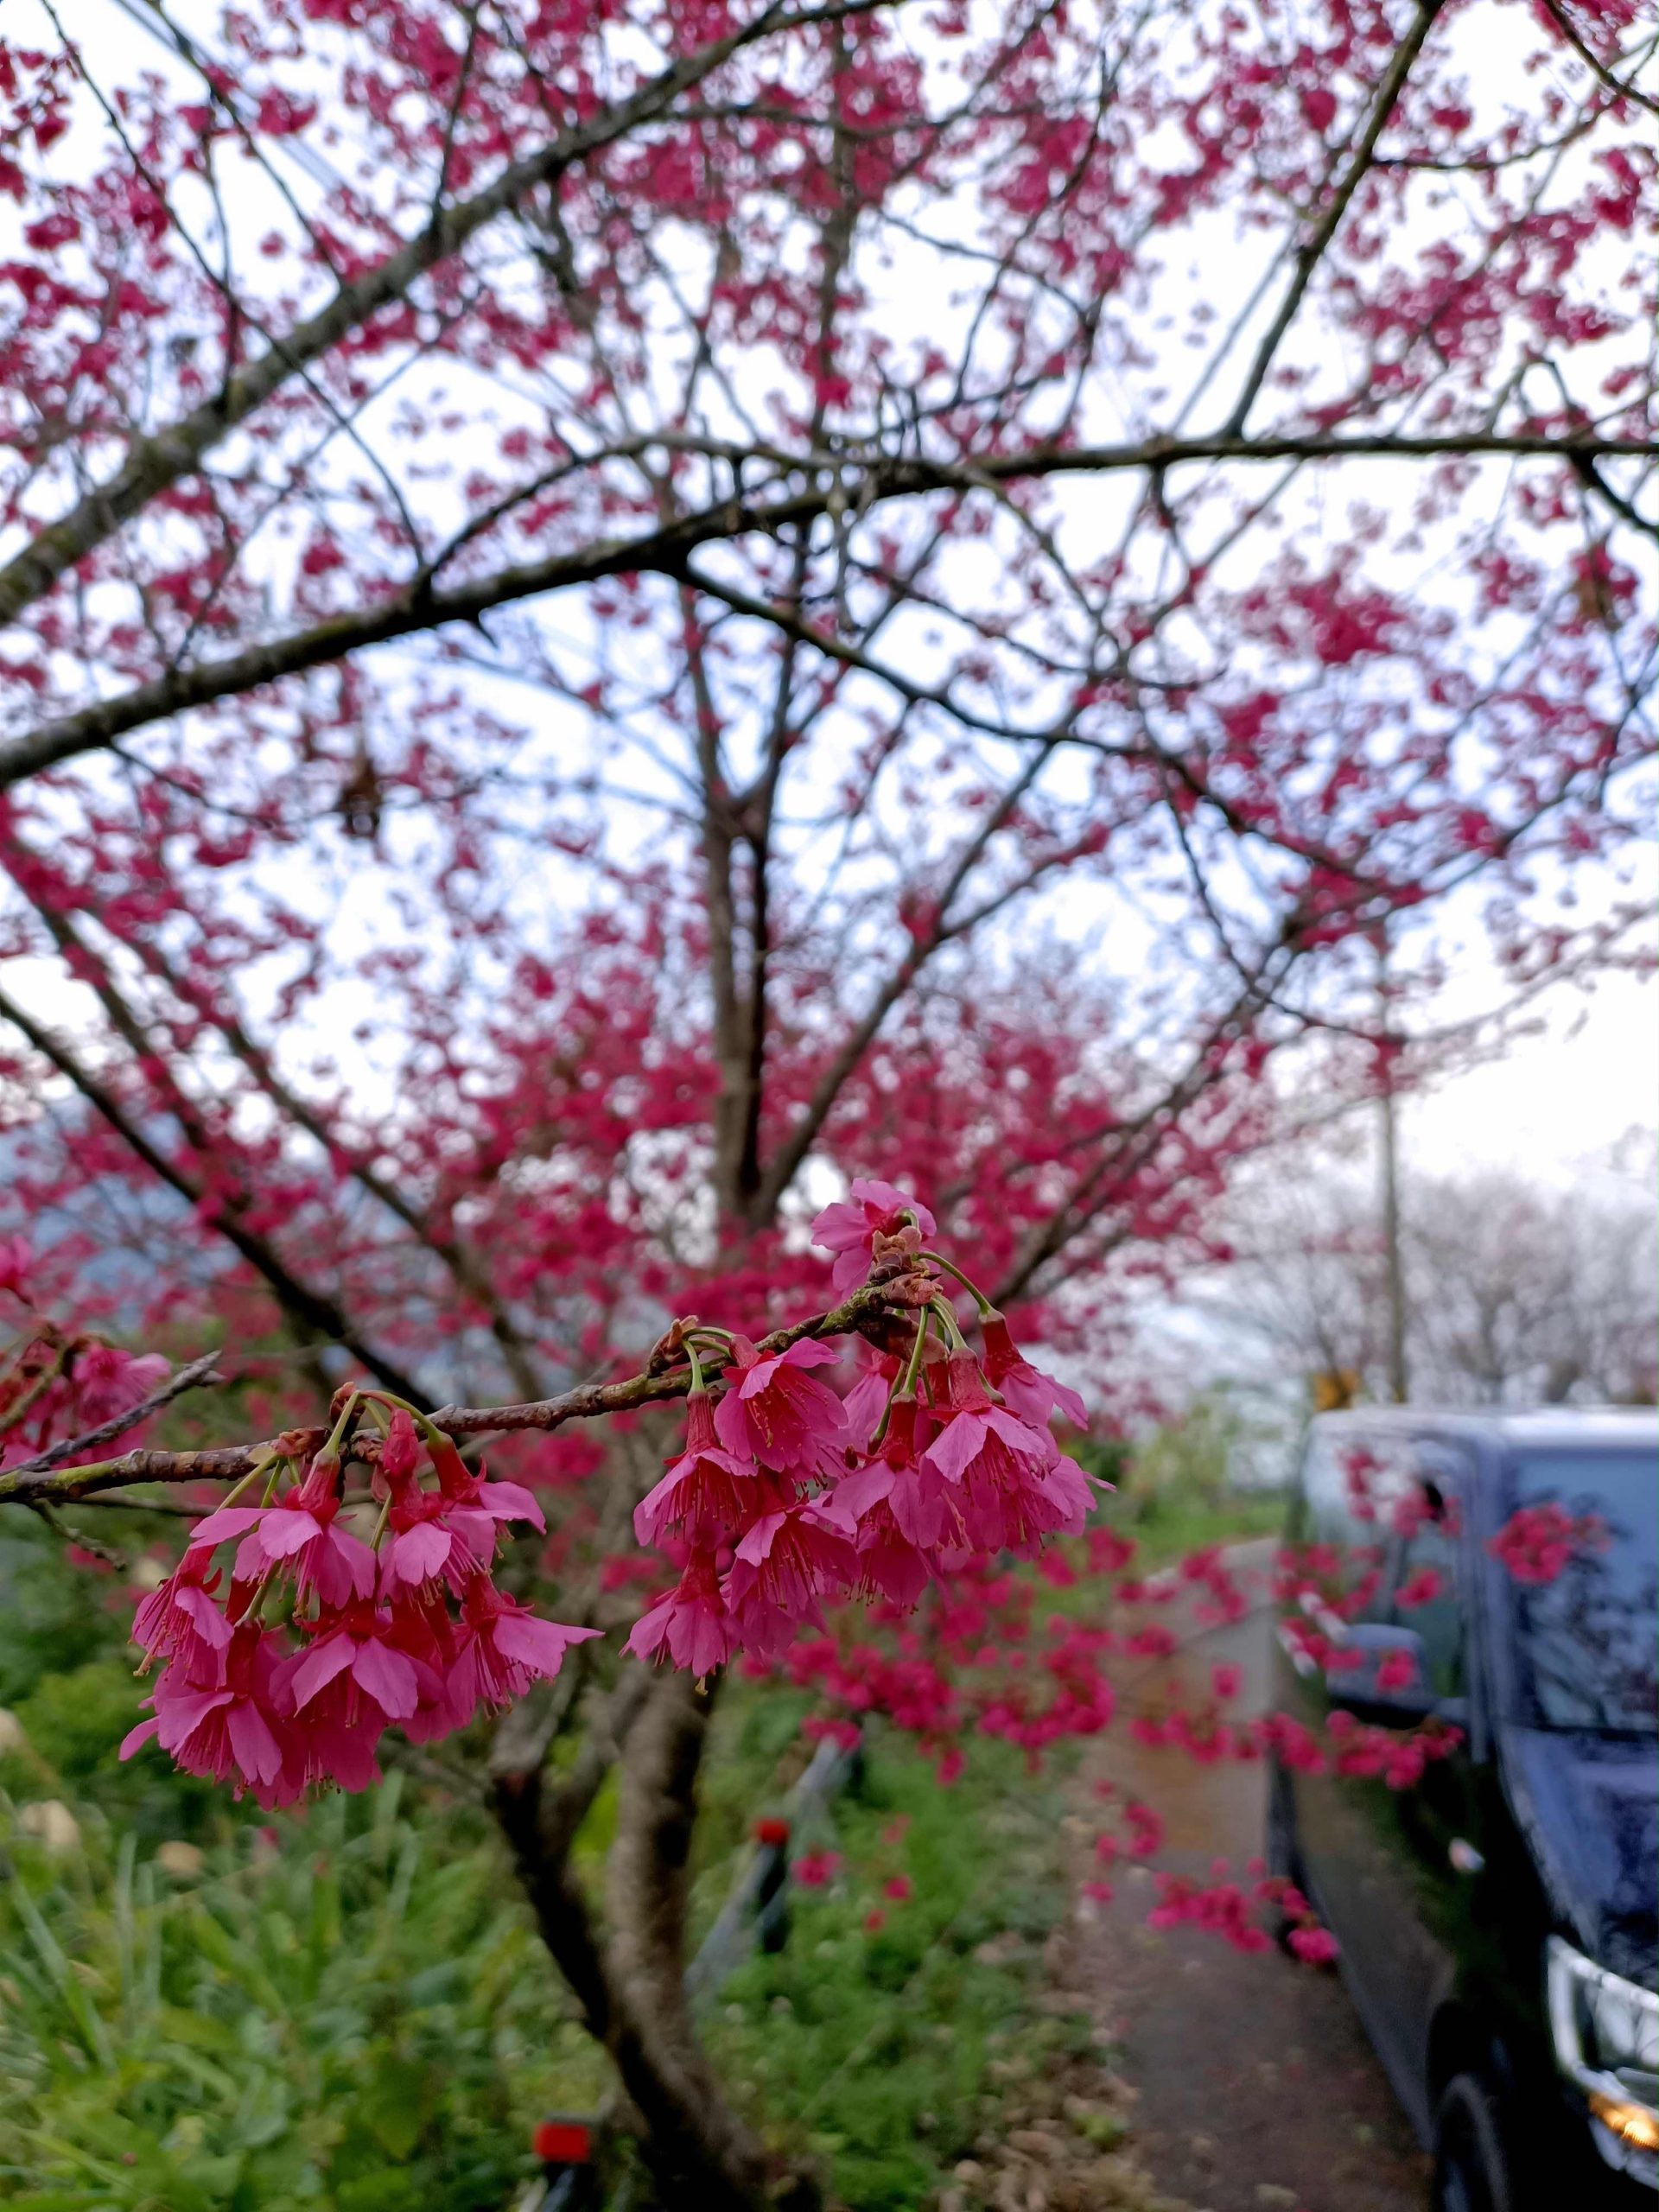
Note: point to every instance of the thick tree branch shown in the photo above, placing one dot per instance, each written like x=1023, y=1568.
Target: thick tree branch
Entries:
x=312, y=1311
x=156, y=462
x=866, y=1308
x=699, y=2151
x=462, y=1264
x=666, y=550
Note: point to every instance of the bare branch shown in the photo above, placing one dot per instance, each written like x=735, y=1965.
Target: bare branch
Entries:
x=200, y=1374
x=666, y=550
x=160, y=460
x=1308, y=255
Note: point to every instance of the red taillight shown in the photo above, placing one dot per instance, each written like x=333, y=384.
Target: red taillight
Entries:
x=563, y=2143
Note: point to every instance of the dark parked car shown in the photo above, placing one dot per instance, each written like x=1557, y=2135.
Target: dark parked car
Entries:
x=1491, y=1585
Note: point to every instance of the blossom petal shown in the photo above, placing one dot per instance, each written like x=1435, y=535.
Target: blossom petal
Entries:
x=388, y=1677
x=512, y=1501
x=840, y=1225
x=957, y=1444
x=229, y=1521
x=353, y=1555
x=136, y=1739
x=421, y=1551
x=257, y=1752
x=536, y=1643
x=285, y=1532
x=178, y=1719
x=757, y=1541
x=320, y=1666
x=1067, y=1402
x=209, y=1622
x=856, y=1493
x=650, y=1631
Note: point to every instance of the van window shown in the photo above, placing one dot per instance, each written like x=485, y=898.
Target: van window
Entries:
x=1354, y=1484
x=1581, y=1545
x=1425, y=1596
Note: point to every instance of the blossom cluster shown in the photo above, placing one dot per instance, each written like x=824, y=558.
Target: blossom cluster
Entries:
x=290, y=1673
x=1537, y=1542
x=55, y=1385
x=287, y=1641
x=785, y=1494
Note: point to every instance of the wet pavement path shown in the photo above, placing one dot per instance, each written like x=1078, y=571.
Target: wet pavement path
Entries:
x=1258, y=2089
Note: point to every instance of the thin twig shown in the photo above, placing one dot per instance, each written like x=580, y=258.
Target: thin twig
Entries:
x=199, y=1374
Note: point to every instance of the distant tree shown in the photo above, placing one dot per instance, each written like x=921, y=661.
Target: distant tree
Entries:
x=1515, y=1295
x=1520, y=1294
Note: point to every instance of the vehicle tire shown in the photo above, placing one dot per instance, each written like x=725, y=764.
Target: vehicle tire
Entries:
x=1471, y=2170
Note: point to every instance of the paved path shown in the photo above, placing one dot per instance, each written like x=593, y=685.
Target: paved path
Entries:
x=1258, y=2087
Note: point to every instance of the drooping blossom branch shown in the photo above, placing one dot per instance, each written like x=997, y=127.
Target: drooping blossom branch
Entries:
x=786, y=1497
x=31, y=1483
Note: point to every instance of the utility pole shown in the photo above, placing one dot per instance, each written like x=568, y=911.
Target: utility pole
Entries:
x=1399, y=1373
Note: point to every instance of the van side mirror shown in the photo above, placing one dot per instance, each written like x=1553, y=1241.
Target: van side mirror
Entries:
x=1377, y=1673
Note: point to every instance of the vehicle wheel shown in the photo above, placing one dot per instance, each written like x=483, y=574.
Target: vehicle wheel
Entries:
x=1472, y=2173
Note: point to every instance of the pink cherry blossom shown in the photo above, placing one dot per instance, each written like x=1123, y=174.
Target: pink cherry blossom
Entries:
x=1025, y=1389
x=179, y=1621
x=785, y=1564
x=901, y=1510
x=385, y=1679
x=865, y=1402
x=231, y=1730
x=476, y=1508
x=297, y=1534
x=1013, y=1486
x=850, y=1228
x=692, y=1623
x=776, y=1413
x=109, y=1381
x=708, y=1493
x=502, y=1648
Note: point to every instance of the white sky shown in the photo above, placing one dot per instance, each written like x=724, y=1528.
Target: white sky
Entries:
x=1559, y=1102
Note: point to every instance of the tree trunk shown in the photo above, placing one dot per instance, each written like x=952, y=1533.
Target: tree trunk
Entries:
x=629, y=1983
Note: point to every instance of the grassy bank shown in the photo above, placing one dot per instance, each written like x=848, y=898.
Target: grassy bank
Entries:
x=347, y=2008
x=883, y=2041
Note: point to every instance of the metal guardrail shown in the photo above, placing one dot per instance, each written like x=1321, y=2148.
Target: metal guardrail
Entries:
x=756, y=1904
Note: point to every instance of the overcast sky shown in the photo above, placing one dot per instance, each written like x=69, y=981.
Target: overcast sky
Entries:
x=1557, y=1102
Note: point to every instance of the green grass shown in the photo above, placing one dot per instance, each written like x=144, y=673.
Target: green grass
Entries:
x=346, y=2009
x=881, y=2051
x=1166, y=1531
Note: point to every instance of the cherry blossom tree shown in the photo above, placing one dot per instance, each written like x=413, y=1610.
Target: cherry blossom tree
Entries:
x=620, y=617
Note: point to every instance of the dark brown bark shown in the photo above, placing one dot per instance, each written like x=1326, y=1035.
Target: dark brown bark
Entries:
x=629, y=1980
x=698, y=2150
x=422, y=607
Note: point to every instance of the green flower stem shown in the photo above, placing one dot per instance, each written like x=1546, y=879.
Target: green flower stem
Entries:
x=939, y=1260
x=955, y=1340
